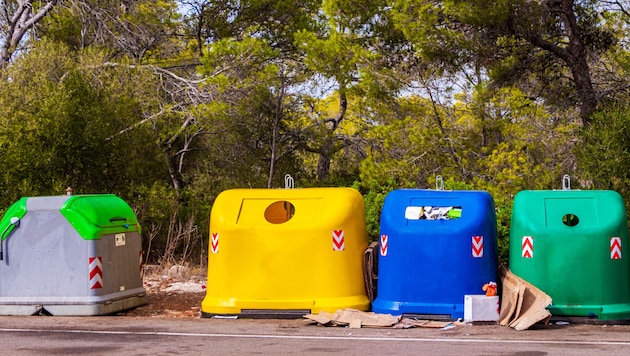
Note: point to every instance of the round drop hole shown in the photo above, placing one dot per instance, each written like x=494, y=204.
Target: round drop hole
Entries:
x=570, y=220
x=279, y=212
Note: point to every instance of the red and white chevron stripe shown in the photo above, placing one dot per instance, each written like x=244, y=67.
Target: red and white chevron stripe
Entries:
x=384, y=244
x=527, y=247
x=338, y=240
x=477, y=246
x=615, y=248
x=214, y=244
x=96, y=272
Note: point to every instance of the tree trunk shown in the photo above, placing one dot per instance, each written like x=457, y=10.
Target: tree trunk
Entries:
x=328, y=149
x=584, y=86
x=274, y=136
x=176, y=177
x=323, y=163
x=574, y=56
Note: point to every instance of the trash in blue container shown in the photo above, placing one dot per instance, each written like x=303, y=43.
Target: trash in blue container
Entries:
x=435, y=247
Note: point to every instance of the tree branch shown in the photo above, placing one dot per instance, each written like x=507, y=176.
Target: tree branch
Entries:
x=21, y=21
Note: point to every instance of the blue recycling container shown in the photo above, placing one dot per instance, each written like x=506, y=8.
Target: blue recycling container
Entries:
x=435, y=247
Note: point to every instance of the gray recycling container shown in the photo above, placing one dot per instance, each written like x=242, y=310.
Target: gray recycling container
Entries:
x=70, y=255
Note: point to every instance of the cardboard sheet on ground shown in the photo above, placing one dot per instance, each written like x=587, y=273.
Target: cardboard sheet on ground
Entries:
x=522, y=303
x=355, y=319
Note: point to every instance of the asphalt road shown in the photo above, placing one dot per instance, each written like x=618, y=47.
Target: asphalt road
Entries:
x=119, y=335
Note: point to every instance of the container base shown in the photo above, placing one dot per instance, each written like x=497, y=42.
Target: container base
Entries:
x=435, y=311
x=587, y=320
x=262, y=314
x=436, y=317
x=104, y=308
x=602, y=312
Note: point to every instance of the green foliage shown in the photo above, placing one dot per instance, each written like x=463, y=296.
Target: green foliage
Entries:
x=374, y=198
x=342, y=87
x=273, y=21
x=174, y=232
x=131, y=29
x=60, y=128
x=407, y=146
x=524, y=44
x=335, y=56
x=498, y=141
x=520, y=148
x=604, y=157
x=55, y=134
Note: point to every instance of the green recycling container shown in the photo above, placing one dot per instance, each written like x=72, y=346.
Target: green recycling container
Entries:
x=573, y=245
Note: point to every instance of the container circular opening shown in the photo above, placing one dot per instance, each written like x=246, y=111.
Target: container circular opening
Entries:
x=570, y=220
x=279, y=212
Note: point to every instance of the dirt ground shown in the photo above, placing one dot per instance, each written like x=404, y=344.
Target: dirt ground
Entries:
x=161, y=304
x=172, y=296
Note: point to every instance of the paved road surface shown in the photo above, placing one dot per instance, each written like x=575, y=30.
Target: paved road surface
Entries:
x=116, y=335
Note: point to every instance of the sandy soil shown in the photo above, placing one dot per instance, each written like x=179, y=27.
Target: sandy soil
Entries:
x=172, y=297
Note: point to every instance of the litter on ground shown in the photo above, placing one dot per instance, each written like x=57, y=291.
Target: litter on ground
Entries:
x=355, y=319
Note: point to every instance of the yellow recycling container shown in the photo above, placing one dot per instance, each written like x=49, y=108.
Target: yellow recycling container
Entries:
x=286, y=252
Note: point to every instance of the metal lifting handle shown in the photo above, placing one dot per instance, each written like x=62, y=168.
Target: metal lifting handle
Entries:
x=289, y=183
x=13, y=222
x=439, y=183
x=566, y=182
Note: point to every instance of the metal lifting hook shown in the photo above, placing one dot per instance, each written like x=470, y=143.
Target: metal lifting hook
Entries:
x=439, y=183
x=15, y=221
x=289, y=183
x=566, y=182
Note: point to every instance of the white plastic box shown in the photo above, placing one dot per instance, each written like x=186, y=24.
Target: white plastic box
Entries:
x=481, y=308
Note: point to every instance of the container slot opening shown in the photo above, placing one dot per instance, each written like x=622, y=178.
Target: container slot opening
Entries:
x=433, y=212
x=279, y=212
x=570, y=220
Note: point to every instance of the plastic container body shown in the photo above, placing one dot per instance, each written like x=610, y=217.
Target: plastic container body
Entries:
x=70, y=255
x=427, y=264
x=281, y=250
x=573, y=245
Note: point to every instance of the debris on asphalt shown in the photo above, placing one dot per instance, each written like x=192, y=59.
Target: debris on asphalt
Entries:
x=355, y=319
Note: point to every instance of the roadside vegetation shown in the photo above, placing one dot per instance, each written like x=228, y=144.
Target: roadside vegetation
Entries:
x=168, y=103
